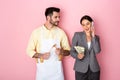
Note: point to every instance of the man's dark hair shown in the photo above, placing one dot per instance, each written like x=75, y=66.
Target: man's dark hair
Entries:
x=50, y=10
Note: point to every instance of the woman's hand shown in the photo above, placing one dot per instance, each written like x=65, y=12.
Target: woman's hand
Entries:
x=92, y=31
x=80, y=55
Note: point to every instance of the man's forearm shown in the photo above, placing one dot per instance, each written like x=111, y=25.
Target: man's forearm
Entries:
x=37, y=55
x=66, y=53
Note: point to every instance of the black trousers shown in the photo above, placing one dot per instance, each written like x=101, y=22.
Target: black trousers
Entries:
x=89, y=75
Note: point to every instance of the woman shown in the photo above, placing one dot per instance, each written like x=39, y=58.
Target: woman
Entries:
x=86, y=66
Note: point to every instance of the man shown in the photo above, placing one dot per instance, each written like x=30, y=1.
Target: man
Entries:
x=47, y=45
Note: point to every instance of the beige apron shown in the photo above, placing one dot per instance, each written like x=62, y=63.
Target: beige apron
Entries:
x=50, y=69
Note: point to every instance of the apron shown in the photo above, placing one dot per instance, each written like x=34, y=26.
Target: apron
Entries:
x=50, y=69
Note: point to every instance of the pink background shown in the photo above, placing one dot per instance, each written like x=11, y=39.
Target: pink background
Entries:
x=19, y=17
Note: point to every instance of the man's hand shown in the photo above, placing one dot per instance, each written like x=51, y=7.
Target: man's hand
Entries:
x=61, y=51
x=46, y=55
x=43, y=56
x=58, y=51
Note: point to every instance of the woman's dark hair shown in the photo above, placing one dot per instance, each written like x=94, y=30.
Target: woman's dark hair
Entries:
x=87, y=18
x=50, y=10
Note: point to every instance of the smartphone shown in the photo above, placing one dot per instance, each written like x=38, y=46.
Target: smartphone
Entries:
x=92, y=24
x=92, y=30
x=92, y=27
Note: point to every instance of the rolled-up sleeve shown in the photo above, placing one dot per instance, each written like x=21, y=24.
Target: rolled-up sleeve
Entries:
x=31, y=48
x=64, y=42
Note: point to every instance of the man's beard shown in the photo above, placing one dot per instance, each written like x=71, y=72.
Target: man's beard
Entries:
x=54, y=23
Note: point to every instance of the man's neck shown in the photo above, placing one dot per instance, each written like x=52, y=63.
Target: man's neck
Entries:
x=48, y=26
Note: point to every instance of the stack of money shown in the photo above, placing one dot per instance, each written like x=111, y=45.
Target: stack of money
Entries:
x=79, y=49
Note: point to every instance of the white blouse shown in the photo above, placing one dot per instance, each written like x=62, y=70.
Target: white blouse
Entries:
x=89, y=43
